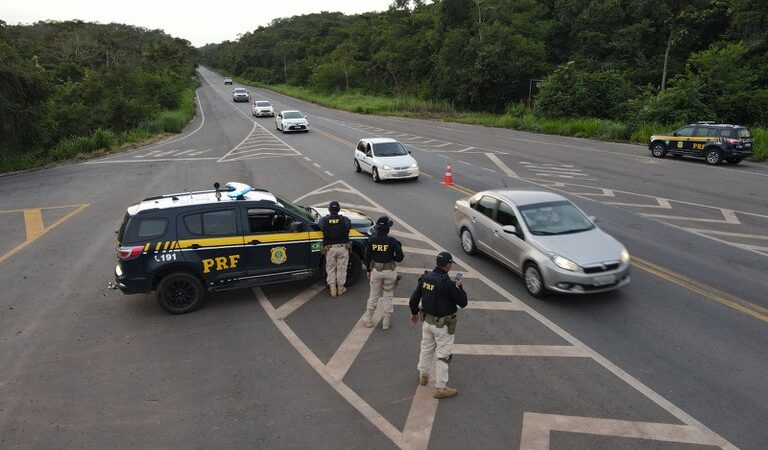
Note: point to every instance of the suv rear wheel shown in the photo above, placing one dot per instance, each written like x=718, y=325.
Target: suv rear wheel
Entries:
x=180, y=293
x=714, y=157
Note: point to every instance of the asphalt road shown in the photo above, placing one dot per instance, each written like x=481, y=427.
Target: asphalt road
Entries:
x=676, y=360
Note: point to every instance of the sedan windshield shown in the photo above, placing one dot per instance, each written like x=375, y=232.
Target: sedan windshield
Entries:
x=389, y=149
x=552, y=218
x=292, y=115
x=240, y=91
x=296, y=209
x=262, y=103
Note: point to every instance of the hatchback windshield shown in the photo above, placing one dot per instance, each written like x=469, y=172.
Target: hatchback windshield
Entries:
x=389, y=149
x=551, y=218
x=240, y=91
x=292, y=115
x=262, y=103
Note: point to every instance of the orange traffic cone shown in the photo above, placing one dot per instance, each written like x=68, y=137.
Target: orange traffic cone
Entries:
x=448, y=179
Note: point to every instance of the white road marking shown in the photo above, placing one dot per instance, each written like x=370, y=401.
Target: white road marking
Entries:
x=149, y=160
x=316, y=165
x=559, y=351
x=328, y=173
x=296, y=302
x=307, y=159
x=504, y=168
x=238, y=145
x=444, y=144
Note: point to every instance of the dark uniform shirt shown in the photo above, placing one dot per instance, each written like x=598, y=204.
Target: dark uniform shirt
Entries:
x=335, y=229
x=439, y=294
x=382, y=248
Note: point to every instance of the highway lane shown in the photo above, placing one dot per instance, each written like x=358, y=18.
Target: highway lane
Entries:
x=88, y=361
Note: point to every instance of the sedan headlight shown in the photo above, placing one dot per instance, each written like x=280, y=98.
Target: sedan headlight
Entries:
x=414, y=166
x=386, y=167
x=624, y=256
x=564, y=263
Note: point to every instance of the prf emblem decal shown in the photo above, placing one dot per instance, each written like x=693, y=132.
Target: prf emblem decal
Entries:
x=278, y=255
x=679, y=144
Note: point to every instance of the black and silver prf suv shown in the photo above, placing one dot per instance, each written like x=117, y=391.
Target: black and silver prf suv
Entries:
x=714, y=142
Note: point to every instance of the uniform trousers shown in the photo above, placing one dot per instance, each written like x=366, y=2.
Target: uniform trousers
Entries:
x=434, y=339
x=336, y=261
x=382, y=288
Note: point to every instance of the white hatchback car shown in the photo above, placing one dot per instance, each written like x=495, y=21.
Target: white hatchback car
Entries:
x=385, y=159
x=262, y=108
x=292, y=120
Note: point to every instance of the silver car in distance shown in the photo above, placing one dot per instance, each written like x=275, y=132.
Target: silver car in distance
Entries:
x=543, y=237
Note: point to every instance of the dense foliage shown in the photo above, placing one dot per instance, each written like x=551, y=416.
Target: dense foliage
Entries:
x=664, y=61
x=64, y=80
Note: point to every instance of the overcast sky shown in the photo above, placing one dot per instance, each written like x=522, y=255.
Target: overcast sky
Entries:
x=210, y=22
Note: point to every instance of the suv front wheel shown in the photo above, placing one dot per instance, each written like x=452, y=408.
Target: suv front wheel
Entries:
x=180, y=293
x=658, y=150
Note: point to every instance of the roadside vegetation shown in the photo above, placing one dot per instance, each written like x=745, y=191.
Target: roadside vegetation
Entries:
x=69, y=89
x=607, y=70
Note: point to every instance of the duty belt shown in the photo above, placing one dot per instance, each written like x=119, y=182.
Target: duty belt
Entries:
x=384, y=266
x=440, y=322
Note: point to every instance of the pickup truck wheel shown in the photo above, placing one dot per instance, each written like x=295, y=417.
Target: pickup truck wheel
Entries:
x=714, y=157
x=658, y=150
x=180, y=293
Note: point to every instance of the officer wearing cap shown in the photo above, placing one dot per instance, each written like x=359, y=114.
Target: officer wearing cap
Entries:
x=439, y=296
x=336, y=246
x=382, y=253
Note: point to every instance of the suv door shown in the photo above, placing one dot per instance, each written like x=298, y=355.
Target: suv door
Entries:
x=701, y=136
x=212, y=241
x=681, y=140
x=275, y=241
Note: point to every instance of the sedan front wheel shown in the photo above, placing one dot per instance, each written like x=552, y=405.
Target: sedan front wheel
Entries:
x=534, y=283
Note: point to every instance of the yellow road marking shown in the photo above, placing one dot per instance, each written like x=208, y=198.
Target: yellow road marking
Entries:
x=335, y=138
x=461, y=189
x=724, y=298
x=45, y=230
x=33, y=221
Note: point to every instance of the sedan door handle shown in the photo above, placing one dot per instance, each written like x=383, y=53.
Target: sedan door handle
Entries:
x=255, y=241
x=195, y=246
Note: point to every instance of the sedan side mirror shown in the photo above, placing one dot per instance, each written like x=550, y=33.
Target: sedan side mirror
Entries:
x=593, y=219
x=306, y=117
x=511, y=229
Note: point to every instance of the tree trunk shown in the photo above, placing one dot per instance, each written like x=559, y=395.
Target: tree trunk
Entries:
x=397, y=88
x=346, y=78
x=666, y=55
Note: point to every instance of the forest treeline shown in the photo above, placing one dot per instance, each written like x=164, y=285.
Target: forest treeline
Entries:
x=72, y=87
x=660, y=61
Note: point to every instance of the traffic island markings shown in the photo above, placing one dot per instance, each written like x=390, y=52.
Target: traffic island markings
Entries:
x=417, y=430
x=34, y=223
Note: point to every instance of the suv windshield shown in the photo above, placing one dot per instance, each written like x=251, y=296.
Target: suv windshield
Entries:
x=262, y=103
x=296, y=209
x=551, y=218
x=292, y=115
x=389, y=149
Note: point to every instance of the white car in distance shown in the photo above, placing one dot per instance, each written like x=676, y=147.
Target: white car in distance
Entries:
x=262, y=108
x=291, y=120
x=385, y=159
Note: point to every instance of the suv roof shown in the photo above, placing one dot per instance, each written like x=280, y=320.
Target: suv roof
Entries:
x=197, y=198
x=713, y=124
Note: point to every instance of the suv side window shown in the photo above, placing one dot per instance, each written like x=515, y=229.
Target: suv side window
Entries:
x=486, y=205
x=724, y=132
x=145, y=229
x=704, y=131
x=506, y=215
x=685, y=131
x=213, y=223
x=265, y=220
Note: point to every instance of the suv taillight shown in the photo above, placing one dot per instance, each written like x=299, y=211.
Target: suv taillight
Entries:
x=733, y=141
x=130, y=252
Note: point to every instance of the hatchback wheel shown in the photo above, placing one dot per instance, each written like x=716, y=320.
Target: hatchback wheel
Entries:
x=658, y=150
x=358, y=169
x=714, y=157
x=180, y=293
x=533, y=281
x=467, y=242
x=375, y=173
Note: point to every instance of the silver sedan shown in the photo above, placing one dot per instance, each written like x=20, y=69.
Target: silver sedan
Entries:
x=543, y=237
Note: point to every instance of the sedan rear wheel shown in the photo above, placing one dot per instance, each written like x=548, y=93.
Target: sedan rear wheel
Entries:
x=467, y=242
x=534, y=283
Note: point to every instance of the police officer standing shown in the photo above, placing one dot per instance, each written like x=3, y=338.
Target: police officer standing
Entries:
x=381, y=255
x=336, y=246
x=439, y=296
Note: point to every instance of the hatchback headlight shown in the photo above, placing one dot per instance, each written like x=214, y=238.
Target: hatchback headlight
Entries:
x=624, y=256
x=386, y=167
x=564, y=263
x=414, y=166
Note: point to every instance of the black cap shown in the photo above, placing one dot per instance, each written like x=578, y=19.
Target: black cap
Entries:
x=383, y=223
x=334, y=206
x=444, y=258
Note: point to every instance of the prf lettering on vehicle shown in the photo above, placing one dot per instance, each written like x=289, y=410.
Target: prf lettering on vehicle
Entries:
x=428, y=286
x=379, y=247
x=221, y=263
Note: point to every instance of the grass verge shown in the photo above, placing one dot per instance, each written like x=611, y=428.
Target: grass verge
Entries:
x=516, y=117
x=101, y=140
